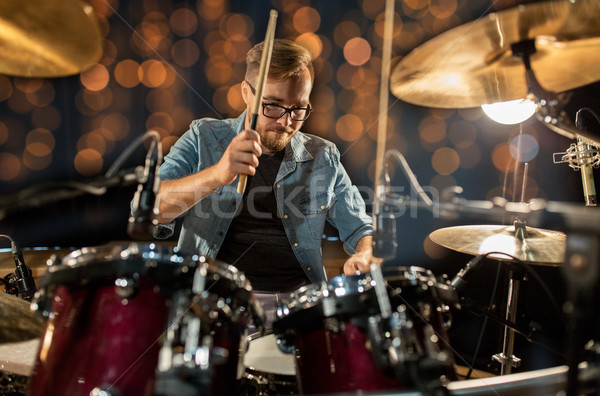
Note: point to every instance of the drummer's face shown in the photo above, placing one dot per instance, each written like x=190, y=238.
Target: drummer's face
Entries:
x=275, y=134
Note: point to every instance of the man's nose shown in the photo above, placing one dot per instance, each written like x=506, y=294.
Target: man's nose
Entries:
x=285, y=120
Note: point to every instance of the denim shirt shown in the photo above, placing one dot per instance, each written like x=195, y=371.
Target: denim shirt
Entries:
x=311, y=187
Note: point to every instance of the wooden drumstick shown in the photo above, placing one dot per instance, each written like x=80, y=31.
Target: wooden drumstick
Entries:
x=388, y=31
x=263, y=71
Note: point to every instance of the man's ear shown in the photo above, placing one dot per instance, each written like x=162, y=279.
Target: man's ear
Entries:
x=246, y=93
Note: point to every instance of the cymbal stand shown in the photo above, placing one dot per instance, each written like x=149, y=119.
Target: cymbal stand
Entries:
x=506, y=358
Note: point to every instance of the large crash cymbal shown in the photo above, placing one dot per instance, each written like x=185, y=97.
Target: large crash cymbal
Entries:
x=543, y=247
x=473, y=64
x=45, y=38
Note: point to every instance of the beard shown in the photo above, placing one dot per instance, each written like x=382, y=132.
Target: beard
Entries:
x=275, y=139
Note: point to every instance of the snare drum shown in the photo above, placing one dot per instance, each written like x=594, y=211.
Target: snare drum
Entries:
x=327, y=327
x=268, y=370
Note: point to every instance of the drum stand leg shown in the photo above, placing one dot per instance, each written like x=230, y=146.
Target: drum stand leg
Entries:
x=506, y=357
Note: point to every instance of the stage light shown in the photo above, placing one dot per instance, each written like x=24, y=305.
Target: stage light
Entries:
x=511, y=112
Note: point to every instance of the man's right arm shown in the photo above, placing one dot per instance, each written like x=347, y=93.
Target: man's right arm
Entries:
x=179, y=195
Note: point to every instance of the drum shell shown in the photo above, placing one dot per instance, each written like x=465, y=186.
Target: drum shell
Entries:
x=94, y=339
x=100, y=335
x=328, y=331
x=339, y=361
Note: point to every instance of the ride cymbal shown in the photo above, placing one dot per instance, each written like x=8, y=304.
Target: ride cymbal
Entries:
x=543, y=247
x=43, y=38
x=473, y=64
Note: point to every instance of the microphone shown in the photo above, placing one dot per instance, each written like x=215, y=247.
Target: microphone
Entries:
x=23, y=276
x=460, y=281
x=385, y=243
x=144, y=213
x=586, y=162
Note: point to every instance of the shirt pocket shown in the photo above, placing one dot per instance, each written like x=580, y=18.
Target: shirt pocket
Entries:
x=313, y=210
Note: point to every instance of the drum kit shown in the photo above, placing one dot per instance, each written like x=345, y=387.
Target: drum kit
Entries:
x=141, y=318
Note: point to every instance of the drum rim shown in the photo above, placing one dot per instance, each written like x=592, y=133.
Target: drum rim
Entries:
x=125, y=259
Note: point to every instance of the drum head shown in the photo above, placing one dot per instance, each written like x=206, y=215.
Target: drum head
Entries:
x=265, y=356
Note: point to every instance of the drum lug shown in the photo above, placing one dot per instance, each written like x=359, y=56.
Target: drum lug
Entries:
x=102, y=391
x=125, y=287
x=285, y=346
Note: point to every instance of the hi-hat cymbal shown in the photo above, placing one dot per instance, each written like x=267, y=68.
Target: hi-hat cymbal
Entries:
x=18, y=322
x=42, y=38
x=473, y=64
x=543, y=247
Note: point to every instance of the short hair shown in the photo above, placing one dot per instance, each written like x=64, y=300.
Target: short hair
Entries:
x=288, y=59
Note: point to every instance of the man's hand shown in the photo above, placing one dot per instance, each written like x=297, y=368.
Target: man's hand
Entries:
x=357, y=263
x=361, y=260
x=241, y=156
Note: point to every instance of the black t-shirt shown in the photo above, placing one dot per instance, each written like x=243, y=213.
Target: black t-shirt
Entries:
x=256, y=242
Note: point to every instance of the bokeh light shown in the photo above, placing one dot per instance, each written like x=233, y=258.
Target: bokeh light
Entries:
x=95, y=78
x=524, y=147
x=88, y=162
x=154, y=73
x=128, y=73
x=39, y=142
x=306, y=20
x=349, y=127
x=6, y=88
x=357, y=51
x=312, y=43
x=183, y=21
x=502, y=159
x=185, y=52
x=10, y=165
x=445, y=161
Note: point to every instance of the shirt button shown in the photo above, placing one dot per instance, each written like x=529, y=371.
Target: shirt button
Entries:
x=322, y=207
x=309, y=269
x=221, y=233
x=279, y=186
x=295, y=244
x=233, y=203
x=285, y=216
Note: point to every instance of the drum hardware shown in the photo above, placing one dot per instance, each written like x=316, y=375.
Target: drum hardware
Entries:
x=519, y=241
x=506, y=358
x=583, y=157
x=403, y=347
x=144, y=209
x=126, y=287
x=21, y=281
x=206, y=333
x=51, y=192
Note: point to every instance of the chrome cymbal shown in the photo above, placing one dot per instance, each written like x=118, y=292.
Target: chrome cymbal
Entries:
x=542, y=247
x=473, y=64
x=43, y=38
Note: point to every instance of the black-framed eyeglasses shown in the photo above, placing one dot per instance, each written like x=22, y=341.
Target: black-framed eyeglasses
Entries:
x=271, y=110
